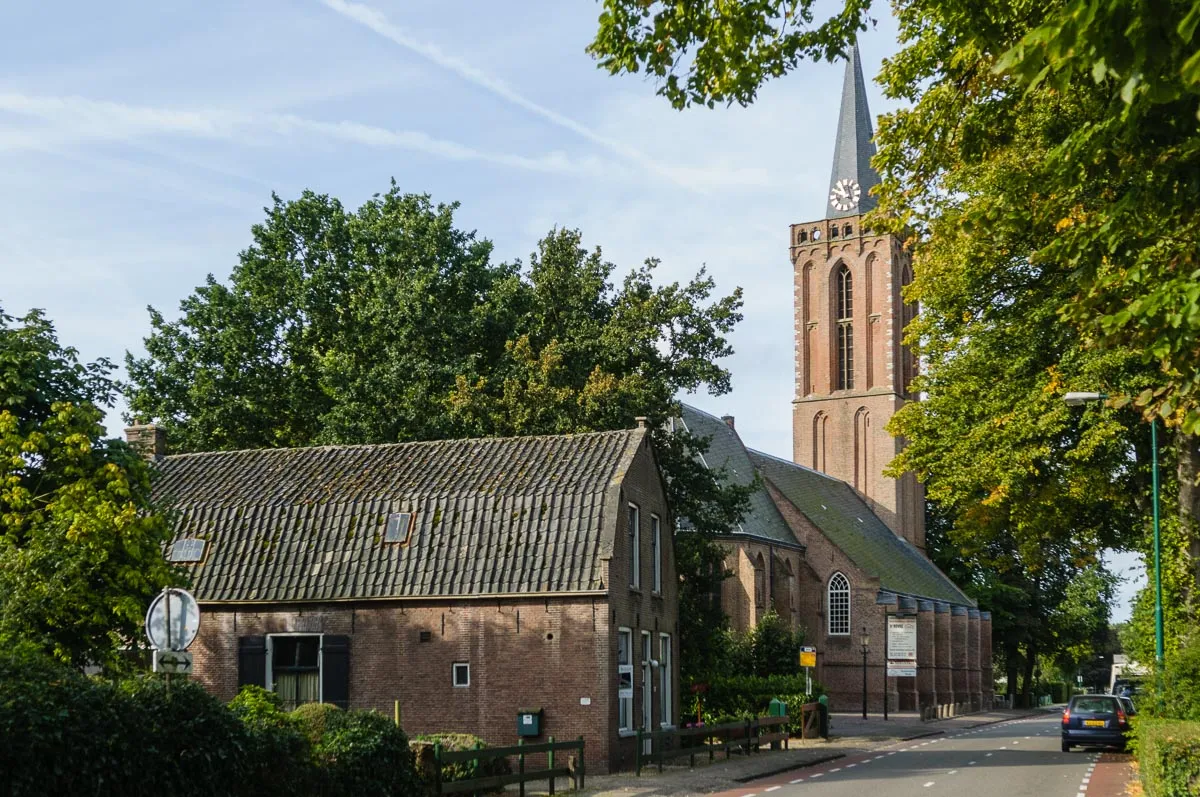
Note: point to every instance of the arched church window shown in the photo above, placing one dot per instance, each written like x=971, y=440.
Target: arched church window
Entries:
x=833, y=231
x=760, y=582
x=908, y=361
x=820, y=420
x=845, y=329
x=803, y=236
x=862, y=448
x=847, y=231
x=839, y=605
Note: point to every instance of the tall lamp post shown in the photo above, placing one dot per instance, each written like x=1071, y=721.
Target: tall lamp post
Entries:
x=1079, y=399
x=866, y=648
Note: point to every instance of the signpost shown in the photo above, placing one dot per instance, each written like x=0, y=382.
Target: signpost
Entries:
x=172, y=622
x=808, y=659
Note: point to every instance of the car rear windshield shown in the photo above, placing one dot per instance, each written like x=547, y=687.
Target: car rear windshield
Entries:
x=1093, y=704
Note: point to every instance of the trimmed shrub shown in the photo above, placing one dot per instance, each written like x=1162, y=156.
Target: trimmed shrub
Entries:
x=361, y=753
x=1168, y=754
x=481, y=768
x=313, y=719
x=280, y=755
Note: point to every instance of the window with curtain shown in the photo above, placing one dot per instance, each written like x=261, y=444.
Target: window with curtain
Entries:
x=656, y=540
x=664, y=679
x=634, y=534
x=839, y=605
x=625, y=679
x=296, y=669
x=845, y=328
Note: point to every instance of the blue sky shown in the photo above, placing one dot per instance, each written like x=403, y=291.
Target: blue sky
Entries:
x=140, y=141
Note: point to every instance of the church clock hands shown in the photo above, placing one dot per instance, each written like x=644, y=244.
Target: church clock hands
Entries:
x=845, y=194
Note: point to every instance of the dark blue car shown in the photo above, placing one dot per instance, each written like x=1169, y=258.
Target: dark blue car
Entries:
x=1096, y=721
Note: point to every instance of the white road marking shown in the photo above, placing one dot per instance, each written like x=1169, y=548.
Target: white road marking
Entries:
x=878, y=757
x=797, y=780
x=892, y=753
x=819, y=775
x=989, y=755
x=773, y=788
x=1087, y=779
x=835, y=769
x=970, y=763
x=851, y=766
x=930, y=783
x=952, y=772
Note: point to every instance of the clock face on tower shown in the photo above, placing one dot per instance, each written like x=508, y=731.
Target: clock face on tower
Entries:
x=845, y=194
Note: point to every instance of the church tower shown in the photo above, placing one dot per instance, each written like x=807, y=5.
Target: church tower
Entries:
x=852, y=372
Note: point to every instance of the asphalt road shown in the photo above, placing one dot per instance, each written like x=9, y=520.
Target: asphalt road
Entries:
x=1020, y=758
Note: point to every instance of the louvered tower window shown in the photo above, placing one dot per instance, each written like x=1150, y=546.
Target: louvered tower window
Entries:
x=845, y=329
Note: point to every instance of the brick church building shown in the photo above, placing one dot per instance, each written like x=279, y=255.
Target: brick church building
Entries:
x=830, y=542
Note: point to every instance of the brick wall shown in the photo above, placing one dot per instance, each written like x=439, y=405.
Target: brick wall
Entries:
x=781, y=592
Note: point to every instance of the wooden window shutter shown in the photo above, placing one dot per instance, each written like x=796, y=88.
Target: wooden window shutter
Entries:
x=252, y=661
x=335, y=670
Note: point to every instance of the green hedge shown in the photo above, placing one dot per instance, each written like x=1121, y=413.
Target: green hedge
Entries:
x=737, y=697
x=1168, y=754
x=67, y=734
x=465, y=770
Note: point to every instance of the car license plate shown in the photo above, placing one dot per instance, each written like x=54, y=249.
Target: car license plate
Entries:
x=1094, y=723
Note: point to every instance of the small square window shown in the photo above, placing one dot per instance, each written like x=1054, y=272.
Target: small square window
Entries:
x=462, y=673
x=397, y=527
x=188, y=549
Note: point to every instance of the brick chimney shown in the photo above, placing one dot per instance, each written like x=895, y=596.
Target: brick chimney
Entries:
x=642, y=421
x=728, y=420
x=147, y=439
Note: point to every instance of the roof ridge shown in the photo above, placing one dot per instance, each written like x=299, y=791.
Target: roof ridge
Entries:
x=783, y=461
x=413, y=443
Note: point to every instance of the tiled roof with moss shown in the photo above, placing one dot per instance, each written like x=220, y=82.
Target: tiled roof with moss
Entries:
x=490, y=516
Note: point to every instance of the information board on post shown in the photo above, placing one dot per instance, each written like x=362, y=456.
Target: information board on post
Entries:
x=902, y=647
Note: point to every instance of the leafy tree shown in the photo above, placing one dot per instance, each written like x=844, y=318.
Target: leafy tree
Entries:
x=1054, y=143
x=390, y=324
x=80, y=547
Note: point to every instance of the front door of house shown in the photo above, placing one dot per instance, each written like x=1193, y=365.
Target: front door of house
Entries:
x=647, y=693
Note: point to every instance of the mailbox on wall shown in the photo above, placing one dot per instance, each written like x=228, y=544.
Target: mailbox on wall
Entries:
x=529, y=722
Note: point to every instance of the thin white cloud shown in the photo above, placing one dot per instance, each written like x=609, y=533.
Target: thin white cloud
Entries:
x=79, y=117
x=693, y=179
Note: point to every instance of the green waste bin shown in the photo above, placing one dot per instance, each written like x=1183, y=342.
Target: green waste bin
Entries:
x=776, y=708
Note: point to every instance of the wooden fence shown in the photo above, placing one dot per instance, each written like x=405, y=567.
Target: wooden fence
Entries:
x=521, y=776
x=746, y=736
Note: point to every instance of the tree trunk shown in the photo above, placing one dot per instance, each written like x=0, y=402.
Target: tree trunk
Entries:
x=1011, y=659
x=1188, y=450
x=1027, y=684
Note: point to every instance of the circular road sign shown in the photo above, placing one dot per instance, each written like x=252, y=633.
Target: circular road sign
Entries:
x=173, y=620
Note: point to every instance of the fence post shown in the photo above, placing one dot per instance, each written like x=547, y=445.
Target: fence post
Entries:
x=550, y=761
x=787, y=734
x=521, y=765
x=747, y=737
x=437, y=767
x=582, y=769
x=475, y=767
x=662, y=745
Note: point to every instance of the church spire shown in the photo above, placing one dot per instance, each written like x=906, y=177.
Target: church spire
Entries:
x=852, y=176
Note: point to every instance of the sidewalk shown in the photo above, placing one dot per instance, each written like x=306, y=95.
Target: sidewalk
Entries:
x=850, y=734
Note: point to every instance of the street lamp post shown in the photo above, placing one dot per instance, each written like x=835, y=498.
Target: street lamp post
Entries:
x=866, y=647
x=1079, y=399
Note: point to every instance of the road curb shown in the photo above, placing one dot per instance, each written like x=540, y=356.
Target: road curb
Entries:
x=789, y=768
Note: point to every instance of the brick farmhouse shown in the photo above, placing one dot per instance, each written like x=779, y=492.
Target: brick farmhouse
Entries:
x=471, y=580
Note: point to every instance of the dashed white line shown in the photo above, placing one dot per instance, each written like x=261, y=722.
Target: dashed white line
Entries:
x=851, y=766
x=989, y=755
x=970, y=763
x=773, y=788
x=878, y=757
x=930, y=783
x=797, y=780
x=952, y=772
x=835, y=769
x=818, y=775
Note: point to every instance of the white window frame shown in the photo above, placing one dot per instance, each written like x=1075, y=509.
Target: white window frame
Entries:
x=647, y=705
x=466, y=665
x=842, y=592
x=656, y=541
x=665, y=674
x=270, y=677
x=626, y=703
x=634, y=535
